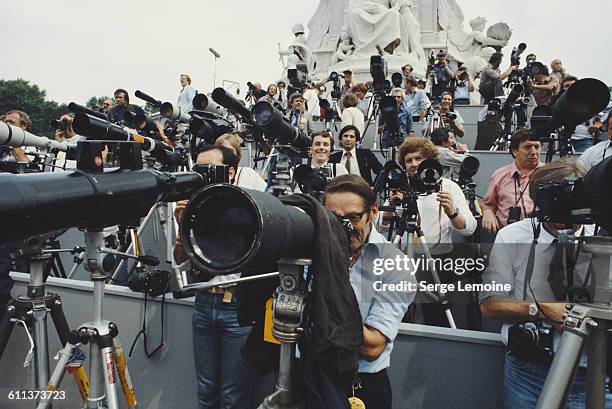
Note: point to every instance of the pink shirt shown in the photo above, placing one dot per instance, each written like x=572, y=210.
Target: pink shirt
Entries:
x=507, y=190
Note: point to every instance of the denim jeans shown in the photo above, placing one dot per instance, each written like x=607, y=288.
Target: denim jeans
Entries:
x=523, y=383
x=225, y=380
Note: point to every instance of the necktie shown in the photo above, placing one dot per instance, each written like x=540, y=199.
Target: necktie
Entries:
x=348, y=161
x=561, y=263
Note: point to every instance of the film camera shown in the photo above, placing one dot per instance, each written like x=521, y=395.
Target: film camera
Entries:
x=428, y=178
x=335, y=79
x=212, y=174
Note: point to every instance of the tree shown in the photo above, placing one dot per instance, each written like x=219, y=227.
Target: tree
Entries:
x=21, y=95
x=95, y=102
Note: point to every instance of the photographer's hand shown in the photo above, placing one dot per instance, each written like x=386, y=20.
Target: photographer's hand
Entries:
x=446, y=201
x=489, y=221
x=553, y=312
x=179, y=253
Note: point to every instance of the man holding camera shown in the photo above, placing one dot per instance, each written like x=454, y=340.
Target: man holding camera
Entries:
x=544, y=87
x=507, y=199
x=463, y=87
x=440, y=214
x=491, y=79
x=360, y=162
x=224, y=378
x=404, y=120
x=351, y=198
x=442, y=75
x=415, y=100
x=448, y=118
x=451, y=153
x=67, y=135
x=298, y=116
x=536, y=299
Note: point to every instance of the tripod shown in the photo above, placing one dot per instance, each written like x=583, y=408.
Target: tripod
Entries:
x=585, y=322
x=374, y=107
x=31, y=310
x=407, y=223
x=474, y=317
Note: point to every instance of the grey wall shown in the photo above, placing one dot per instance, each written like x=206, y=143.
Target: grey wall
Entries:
x=431, y=367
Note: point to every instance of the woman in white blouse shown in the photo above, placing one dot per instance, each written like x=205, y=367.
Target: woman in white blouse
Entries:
x=351, y=115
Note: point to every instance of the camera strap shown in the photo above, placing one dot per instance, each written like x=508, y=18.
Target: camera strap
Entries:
x=531, y=259
x=519, y=198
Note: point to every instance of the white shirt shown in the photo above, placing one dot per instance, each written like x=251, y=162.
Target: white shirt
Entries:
x=450, y=161
x=354, y=163
x=185, y=99
x=61, y=156
x=353, y=116
x=249, y=179
x=437, y=227
x=595, y=154
x=336, y=169
x=312, y=99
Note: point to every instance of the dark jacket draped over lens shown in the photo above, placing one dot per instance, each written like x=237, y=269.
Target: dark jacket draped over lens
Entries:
x=333, y=326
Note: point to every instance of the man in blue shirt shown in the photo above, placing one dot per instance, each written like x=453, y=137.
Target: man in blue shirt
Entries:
x=403, y=116
x=351, y=198
x=415, y=100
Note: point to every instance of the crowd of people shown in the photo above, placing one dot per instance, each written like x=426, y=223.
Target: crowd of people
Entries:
x=225, y=380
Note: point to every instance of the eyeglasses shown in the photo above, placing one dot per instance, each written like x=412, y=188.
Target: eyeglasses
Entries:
x=356, y=217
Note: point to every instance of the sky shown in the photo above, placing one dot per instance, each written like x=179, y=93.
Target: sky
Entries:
x=77, y=49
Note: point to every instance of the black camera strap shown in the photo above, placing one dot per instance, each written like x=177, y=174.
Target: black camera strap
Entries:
x=519, y=198
x=531, y=259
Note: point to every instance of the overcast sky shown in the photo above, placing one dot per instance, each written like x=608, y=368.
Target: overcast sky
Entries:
x=76, y=49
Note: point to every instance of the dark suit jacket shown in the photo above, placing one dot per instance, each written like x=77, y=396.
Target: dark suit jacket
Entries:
x=367, y=163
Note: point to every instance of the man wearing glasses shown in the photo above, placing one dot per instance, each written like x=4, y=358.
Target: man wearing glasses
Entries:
x=282, y=96
x=106, y=105
x=351, y=198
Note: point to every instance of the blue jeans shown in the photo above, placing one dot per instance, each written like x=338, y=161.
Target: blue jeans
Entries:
x=523, y=383
x=581, y=145
x=225, y=380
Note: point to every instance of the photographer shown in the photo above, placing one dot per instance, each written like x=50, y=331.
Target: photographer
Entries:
x=270, y=96
x=440, y=214
x=297, y=116
x=68, y=136
x=597, y=153
x=442, y=75
x=507, y=199
x=415, y=100
x=448, y=118
x=451, y=153
x=536, y=301
x=122, y=100
x=360, y=162
x=347, y=75
x=403, y=117
x=544, y=87
x=351, y=198
x=222, y=374
x=245, y=177
x=463, y=87
x=491, y=79
x=320, y=151
x=282, y=97
x=21, y=120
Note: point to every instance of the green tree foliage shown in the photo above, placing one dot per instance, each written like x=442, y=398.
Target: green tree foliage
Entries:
x=20, y=94
x=96, y=102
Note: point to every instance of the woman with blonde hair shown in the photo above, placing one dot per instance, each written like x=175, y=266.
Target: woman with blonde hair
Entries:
x=248, y=177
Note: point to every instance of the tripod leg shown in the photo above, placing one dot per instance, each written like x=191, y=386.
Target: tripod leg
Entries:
x=57, y=375
x=561, y=372
x=124, y=376
x=6, y=327
x=39, y=315
x=596, y=370
x=96, y=392
x=59, y=321
x=105, y=342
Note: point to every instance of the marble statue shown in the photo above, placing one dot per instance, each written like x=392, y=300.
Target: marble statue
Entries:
x=325, y=26
x=378, y=22
x=345, y=49
x=464, y=46
x=297, y=51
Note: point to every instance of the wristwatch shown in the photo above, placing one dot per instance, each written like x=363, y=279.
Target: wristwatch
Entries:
x=533, y=310
x=455, y=214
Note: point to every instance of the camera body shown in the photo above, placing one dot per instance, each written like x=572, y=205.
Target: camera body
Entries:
x=212, y=174
x=153, y=283
x=529, y=340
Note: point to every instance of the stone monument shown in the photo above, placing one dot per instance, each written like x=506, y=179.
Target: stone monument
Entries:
x=344, y=34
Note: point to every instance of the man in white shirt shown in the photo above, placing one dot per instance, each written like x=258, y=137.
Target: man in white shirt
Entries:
x=597, y=153
x=185, y=98
x=537, y=297
x=451, y=153
x=451, y=119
